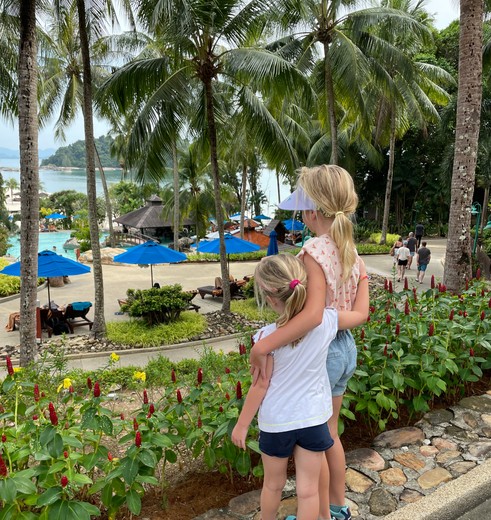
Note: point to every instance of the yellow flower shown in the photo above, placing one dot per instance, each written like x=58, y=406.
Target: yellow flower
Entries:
x=17, y=369
x=140, y=375
x=114, y=357
x=66, y=384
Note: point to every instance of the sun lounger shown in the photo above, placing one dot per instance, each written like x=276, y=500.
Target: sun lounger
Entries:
x=76, y=314
x=235, y=290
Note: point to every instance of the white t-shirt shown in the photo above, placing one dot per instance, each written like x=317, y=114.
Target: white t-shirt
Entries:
x=299, y=394
x=403, y=253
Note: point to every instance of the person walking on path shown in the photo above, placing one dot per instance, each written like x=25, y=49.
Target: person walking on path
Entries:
x=294, y=400
x=395, y=248
x=411, y=245
x=337, y=278
x=423, y=259
x=403, y=255
x=419, y=231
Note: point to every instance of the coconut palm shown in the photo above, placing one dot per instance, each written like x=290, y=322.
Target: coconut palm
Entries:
x=210, y=39
x=458, y=255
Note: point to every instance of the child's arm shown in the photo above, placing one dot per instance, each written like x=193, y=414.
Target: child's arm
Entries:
x=359, y=312
x=307, y=319
x=253, y=400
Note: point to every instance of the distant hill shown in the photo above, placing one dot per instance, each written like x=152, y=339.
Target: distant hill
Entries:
x=73, y=155
x=8, y=153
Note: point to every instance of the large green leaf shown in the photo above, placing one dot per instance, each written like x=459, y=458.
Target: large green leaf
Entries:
x=133, y=501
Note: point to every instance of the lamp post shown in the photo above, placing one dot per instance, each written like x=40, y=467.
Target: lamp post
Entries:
x=476, y=209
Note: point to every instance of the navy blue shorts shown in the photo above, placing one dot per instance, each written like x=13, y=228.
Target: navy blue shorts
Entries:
x=282, y=444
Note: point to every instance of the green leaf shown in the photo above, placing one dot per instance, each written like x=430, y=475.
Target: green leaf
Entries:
x=24, y=485
x=7, y=511
x=171, y=456
x=88, y=419
x=253, y=445
x=210, y=457
x=147, y=458
x=55, y=446
x=133, y=501
x=148, y=479
x=81, y=479
x=106, y=425
x=8, y=490
x=50, y=496
x=130, y=470
x=57, y=466
x=47, y=435
x=161, y=440
x=222, y=429
x=243, y=463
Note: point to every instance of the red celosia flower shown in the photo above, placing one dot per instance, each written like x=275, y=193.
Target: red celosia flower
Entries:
x=385, y=349
x=432, y=284
x=200, y=422
x=372, y=309
x=478, y=273
x=365, y=347
x=431, y=329
x=3, y=467
x=43, y=394
x=65, y=454
x=387, y=319
x=52, y=415
x=483, y=315
x=71, y=389
x=362, y=334
x=391, y=289
x=391, y=355
x=179, y=396
x=89, y=383
x=471, y=352
x=110, y=456
x=452, y=312
x=200, y=376
x=121, y=416
x=415, y=295
x=406, y=285
x=151, y=410
x=443, y=288
x=145, y=397
x=64, y=481
x=242, y=349
x=406, y=308
x=135, y=425
x=35, y=417
x=460, y=313
x=227, y=370
x=36, y=393
x=368, y=319
x=489, y=303
x=465, y=314
x=386, y=284
x=10, y=368
x=97, y=389
x=173, y=376
x=4, y=437
x=398, y=329
x=138, y=439
x=238, y=390
x=482, y=293
x=220, y=409
x=227, y=396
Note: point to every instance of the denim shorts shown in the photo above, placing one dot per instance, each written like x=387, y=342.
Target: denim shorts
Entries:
x=341, y=361
x=422, y=267
x=282, y=444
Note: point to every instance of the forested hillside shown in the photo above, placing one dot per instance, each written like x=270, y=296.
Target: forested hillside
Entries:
x=74, y=154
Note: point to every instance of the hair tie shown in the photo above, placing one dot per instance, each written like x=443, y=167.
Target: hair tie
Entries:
x=339, y=213
x=294, y=283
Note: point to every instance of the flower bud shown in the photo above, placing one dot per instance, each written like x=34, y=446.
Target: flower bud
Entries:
x=398, y=329
x=200, y=422
x=200, y=376
x=391, y=289
x=471, y=352
x=121, y=416
x=406, y=284
x=386, y=284
x=406, y=308
x=173, y=376
x=179, y=396
x=431, y=330
x=4, y=437
x=10, y=368
x=151, y=410
x=362, y=334
x=385, y=349
x=135, y=424
x=71, y=389
x=387, y=319
x=145, y=397
x=452, y=312
x=227, y=370
x=238, y=390
x=242, y=349
x=36, y=393
x=35, y=417
x=3, y=467
x=110, y=456
x=220, y=409
x=227, y=396
x=138, y=439
x=372, y=309
x=89, y=383
x=432, y=284
x=483, y=315
x=97, y=389
x=64, y=481
x=65, y=454
x=52, y=415
x=478, y=273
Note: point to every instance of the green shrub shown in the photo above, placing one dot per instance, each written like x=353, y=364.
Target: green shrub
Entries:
x=390, y=238
x=137, y=333
x=373, y=249
x=250, y=310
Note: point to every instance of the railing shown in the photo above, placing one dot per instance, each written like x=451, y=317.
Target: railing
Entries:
x=130, y=238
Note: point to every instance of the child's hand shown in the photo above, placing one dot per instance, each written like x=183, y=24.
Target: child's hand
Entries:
x=258, y=363
x=239, y=435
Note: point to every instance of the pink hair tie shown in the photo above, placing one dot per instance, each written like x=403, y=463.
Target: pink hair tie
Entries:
x=294, y=283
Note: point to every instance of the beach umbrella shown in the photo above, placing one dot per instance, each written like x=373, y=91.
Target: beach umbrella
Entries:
x=261, y=217
x=233, y=245
x=236, y=216
x=150, y=253
x=55, y=216
x=293, y=225
x=50, y=265
x=273, y=244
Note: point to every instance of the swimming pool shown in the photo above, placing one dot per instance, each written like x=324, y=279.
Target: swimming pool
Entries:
x=46, y=241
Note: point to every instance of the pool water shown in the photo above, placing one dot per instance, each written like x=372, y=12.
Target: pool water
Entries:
x=46, y=241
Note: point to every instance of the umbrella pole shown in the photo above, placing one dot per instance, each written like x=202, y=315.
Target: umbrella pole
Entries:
x=49, y=297
x=151, y=274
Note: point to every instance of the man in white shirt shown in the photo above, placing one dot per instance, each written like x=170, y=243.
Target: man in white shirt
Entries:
x=403, y=254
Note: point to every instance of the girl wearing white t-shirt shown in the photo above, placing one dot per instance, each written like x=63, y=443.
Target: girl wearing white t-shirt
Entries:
x=402, y=259
x=294, y=400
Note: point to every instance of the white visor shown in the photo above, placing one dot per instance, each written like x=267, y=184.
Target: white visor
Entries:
x=297, y=201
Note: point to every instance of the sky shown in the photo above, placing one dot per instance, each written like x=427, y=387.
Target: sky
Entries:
x=444, y=11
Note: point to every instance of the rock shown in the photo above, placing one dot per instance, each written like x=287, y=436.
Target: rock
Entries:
x=479, y=403
x=410, y=460
x=365, y=458
x=461, y=467
x=393, y=477
x=434, y=477
x=428, y=451
x=357, y=482
x=444, y=444
x=244, y=504
x=438, y=416
x=480, y=449
x=381, y=502
x=410, y=495
x=448, y=455
x=397, y=438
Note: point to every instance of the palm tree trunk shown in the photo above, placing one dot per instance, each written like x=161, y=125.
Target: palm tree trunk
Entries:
x=390, y=176
x=243, y=199
x=29, y=179
x=175, y=177
x=99, y=327
x=458, y=255
x=331, y=106
x=212, y=135
x=109, y=208
x=484, y=218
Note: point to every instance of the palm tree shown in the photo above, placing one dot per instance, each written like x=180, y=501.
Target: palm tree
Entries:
x=458, y=255
x=209, y=38
x=12, y=185
x=29, y=178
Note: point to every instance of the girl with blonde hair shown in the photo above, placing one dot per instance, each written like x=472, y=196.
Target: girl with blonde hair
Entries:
x=337, y=278
x=294, y=399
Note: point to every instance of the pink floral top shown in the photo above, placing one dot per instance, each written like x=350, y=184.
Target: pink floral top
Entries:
x=324, y=251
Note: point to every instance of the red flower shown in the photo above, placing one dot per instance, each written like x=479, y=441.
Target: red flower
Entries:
x=415, y=295
x=372, y=309
x=135, y=425
x=64, y=481
x=385, y=349
x=489, y=303
x=452, y=312
x=483, y=315
x=151, y=410
x=97, y=389
x=227, y=396
x=3, y=467
x=179, y=396
x=365, y=347
x=362, y=334
x=406, y=308
x=398, y=329
x=4, y=437
x=35, y=417
x=220, y=409
x=200, y=422
x=65, y=454
x=471, y=352
x=386, y=284
x=36, y=393
x=391, y=289
x=71, y=389
x=121, y=416
x=145, y=397
x=432, y=284
x=52, y=415
x=465, y=314
x=431, y=329
x=238, y=390
x=387, y=319
x=368, y=319
x=460, y=313
x=173, y=376
x=406, y=285
x=227, y=370
x=482, y=293
x=10, y=368
x=89, y=383
x=109, y=456
x=200, y=376
x=478, y=273
x=138, y=439
x=242, y=349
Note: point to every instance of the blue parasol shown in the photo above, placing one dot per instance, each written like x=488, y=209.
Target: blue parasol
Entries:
x=293, y=225
x=150, y=253
x=273, y=244
x=261, y=217
x=49, y=265
x=55, y=216
x=233, y=245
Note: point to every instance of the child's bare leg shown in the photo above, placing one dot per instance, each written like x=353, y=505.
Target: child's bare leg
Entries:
x=307, y=470
x=324, y=483
x=274, y=482
x=335, y=457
